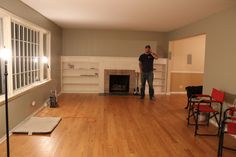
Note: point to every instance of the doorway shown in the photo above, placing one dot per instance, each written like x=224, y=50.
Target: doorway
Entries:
x=186, y=63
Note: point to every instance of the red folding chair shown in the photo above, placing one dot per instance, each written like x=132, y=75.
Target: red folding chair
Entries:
x=205, y=106
x=228, y=126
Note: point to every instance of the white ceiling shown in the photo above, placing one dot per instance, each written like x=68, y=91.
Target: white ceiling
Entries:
x=149, y=15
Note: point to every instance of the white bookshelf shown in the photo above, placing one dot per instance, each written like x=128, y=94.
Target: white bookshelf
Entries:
x=160, y=77
x=80, y=76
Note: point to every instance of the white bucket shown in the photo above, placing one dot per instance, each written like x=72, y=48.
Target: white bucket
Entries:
x=202, y=117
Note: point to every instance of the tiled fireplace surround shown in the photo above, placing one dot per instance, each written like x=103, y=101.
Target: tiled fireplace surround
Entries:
x=108, y=72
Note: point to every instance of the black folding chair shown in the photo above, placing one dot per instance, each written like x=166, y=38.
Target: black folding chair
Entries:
x=192, y=92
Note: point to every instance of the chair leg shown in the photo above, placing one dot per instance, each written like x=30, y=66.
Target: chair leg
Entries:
x=196, y=123
x=208, y=119
x=220, y=118
x=188, y=103
x=189, y=112
x=221, y=142
x=218, y=123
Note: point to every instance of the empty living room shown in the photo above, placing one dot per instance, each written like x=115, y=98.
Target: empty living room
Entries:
x=127, y=78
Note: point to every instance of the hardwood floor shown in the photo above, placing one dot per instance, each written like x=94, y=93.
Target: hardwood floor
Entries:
x=117, y=126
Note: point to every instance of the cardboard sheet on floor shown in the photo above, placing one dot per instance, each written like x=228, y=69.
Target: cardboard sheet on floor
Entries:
x=38, y=125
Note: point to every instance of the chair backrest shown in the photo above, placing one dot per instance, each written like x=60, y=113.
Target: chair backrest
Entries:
x=218, y=95
x=193, y=90
x=232, y=111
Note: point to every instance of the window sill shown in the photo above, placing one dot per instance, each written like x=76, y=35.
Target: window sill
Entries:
x=22, y=91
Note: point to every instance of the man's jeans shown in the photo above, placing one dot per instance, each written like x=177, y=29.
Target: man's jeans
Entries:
x=147, y=76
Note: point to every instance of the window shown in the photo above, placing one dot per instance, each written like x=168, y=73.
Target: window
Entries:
x=46, y=54
x=2, y=89
x=30, y=49
x=25, y=55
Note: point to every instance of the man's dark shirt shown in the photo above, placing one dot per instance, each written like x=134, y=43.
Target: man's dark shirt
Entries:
x=147, y=62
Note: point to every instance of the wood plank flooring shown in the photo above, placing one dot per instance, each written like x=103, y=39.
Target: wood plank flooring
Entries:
x=118, y=126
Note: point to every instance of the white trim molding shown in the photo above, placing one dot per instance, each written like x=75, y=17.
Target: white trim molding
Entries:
x=188, y=72
x=177, y=92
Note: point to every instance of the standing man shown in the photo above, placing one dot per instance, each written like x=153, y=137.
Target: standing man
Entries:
x=146, y=69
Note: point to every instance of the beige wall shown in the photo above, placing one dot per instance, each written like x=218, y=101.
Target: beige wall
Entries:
x=20, y=107
x=181, y=48
x=220, y=49
x=181, y=80
x=77, y=42
x=183, y=74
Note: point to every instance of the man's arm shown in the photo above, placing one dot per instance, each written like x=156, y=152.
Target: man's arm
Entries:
x=155, y=55
x=140, y=66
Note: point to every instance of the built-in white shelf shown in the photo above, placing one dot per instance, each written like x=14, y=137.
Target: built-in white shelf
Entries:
x=160, y=77
x=80, y=76
x=85, y=74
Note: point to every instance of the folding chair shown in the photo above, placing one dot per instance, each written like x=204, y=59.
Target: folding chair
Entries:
x=229, y=123
x=191, y=91
x=205, y=106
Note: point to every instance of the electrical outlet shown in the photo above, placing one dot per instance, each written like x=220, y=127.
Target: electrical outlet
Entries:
x=189, y=59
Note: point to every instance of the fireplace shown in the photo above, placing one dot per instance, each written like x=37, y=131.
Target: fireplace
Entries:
x=119, y=81
x=119, y=84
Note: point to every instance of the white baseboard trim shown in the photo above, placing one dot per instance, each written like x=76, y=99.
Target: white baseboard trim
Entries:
x=161, y=94
x=188, y=72
x=168, y=93
x=31, y=115
x=81, y=92
x=177, y=92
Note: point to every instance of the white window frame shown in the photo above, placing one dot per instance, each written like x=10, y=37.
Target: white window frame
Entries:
x=7, y=18
x=48, y=49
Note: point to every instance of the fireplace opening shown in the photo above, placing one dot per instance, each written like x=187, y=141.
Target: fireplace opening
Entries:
x=119, y=84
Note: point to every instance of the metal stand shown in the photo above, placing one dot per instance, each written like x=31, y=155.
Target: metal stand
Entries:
x=6, y=110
